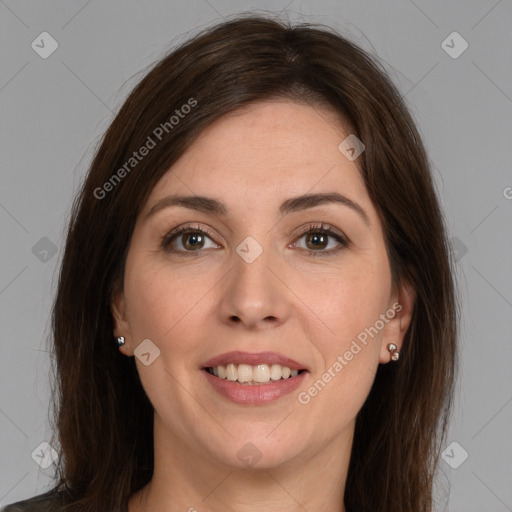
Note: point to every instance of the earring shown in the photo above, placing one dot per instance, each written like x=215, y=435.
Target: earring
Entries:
x=394, y=352
x=120, y=341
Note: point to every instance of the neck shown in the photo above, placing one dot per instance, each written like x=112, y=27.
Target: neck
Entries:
x=184, y=480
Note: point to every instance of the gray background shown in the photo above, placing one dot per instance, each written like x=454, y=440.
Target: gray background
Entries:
x=54, y=110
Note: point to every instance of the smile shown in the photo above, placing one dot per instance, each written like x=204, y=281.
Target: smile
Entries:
x=249, y=378
x=252, y=375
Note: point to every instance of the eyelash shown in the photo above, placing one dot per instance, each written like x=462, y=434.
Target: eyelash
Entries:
x=317, y=229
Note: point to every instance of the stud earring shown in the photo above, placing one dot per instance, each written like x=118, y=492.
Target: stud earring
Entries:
x=120, y=341
x=394, y=352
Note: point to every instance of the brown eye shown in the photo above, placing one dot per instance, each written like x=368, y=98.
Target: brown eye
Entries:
x=187, y=239
x=318, y=238
x=192, y=240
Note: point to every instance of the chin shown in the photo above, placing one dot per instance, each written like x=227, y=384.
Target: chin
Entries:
x=257, y=451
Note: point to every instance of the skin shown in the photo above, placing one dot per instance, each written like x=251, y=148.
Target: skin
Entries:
x=307, y=308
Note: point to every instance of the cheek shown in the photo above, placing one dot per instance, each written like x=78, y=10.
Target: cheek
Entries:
x=163, y=300
x=347, y=299
x=350, y=349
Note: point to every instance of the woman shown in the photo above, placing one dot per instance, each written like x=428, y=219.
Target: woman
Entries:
x=256, y=307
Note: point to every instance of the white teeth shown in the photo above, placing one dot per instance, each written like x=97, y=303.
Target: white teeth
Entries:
x=258, y=374
x=231, y=372
x=244, y=373
x=275, y=372
x=261, y=373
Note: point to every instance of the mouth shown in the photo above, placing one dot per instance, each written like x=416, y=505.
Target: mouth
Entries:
x=253, y=375
x=246, y=378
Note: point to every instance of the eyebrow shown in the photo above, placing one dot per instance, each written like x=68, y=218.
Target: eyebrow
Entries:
x=294, y=204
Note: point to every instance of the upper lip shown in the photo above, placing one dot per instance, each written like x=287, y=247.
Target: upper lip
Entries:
x=253, y=359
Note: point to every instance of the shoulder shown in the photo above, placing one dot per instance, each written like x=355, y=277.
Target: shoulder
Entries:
x=47, y=502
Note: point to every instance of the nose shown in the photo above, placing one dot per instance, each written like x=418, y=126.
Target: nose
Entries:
x=253, y=297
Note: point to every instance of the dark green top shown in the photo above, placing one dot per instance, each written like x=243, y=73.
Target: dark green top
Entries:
x=47, y=502
x=50, y=501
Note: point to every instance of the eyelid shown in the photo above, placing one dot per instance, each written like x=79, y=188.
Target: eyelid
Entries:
x=322, y=226
x=184, y=228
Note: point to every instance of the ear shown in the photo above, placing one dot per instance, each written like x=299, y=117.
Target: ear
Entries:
x=402, y=304
x=121, y=324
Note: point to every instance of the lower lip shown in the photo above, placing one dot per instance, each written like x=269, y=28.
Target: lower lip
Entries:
x=256, y=393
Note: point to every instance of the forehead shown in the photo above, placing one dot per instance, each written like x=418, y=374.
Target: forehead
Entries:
x=265, y=153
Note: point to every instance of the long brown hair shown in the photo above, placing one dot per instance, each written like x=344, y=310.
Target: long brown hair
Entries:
x=103, y=418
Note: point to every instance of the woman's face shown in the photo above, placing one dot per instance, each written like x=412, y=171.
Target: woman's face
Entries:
x=257, y=291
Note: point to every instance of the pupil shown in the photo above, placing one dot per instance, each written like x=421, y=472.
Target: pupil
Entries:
x=194, y=238
x=314, y=237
